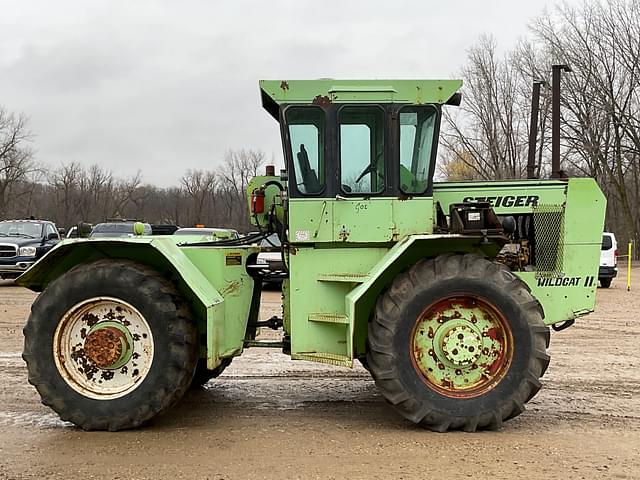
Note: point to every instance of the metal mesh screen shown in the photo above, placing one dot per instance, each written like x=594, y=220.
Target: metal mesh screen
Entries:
x=548, y=223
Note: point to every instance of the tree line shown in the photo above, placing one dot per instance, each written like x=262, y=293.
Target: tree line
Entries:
x=487, y=138
x=72, y=192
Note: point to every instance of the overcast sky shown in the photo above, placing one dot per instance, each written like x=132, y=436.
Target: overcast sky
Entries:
x=162, y=86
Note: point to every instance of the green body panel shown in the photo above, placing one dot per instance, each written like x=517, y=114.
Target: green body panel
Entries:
x=570, y=291
x=334, y=288
x=358, y=220
x=353, y=91
x=224, y=268
x=320, y=281
x=218, y=290
x=516, y=192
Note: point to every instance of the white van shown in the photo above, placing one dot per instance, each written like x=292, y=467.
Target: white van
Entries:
x=608, y=259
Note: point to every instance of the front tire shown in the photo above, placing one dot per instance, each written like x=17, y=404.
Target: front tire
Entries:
x=110, y=345
x=458, y=342
x=605, y=282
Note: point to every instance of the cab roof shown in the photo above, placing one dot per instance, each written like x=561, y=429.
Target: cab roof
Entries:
x=322, y=92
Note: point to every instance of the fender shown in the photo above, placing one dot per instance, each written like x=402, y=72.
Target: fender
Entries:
x=172, y=261
x=360, y=301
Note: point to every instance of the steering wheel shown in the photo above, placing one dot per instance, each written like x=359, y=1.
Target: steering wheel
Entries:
x=372, y=167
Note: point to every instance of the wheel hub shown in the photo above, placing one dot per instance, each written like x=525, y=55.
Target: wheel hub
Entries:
x=103, y=348
x=462, y=345
x=107, y=347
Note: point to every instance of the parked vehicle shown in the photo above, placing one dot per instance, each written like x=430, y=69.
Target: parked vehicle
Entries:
x=22, y=242
x=270, y=259
x=117, y=229
x=608, y=260
x=163, y=229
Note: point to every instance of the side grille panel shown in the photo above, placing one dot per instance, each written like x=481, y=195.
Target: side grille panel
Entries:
x=548, y=223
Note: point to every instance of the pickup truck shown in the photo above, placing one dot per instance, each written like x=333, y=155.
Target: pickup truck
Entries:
x=22, y=242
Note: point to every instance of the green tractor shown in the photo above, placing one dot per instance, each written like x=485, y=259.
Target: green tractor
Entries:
x=445, y=292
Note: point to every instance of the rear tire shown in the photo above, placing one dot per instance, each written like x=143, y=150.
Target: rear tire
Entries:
x=458, y=342
x=109, y=345
x=605, y=282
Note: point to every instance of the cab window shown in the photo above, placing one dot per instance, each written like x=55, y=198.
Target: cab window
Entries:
x=306, y=127
x=361, y=149
x=417, y=129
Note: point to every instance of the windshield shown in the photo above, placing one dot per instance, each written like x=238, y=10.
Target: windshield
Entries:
x=417, y=131
x=21, y=229
x=306, y=134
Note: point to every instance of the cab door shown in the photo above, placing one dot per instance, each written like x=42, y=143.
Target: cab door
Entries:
x=361, y=214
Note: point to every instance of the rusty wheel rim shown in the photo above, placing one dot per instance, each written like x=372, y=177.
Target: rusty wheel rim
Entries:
x=103, y=348
x=462, y=346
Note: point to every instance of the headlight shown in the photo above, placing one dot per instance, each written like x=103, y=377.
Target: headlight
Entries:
x=261, y=261
x=27, y=251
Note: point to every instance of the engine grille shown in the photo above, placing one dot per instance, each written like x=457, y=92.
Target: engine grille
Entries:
x=548, y=224
x=8, y=250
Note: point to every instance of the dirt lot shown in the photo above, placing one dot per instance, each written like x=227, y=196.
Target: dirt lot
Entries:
x=268, y=417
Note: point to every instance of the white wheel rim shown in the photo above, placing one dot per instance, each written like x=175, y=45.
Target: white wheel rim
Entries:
x=81, y=370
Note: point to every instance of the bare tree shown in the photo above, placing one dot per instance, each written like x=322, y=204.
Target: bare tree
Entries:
x=65, y=181
x=200, y=186
x=16, y=158
x=239, y=167
x=488, y=134
x=601, y=104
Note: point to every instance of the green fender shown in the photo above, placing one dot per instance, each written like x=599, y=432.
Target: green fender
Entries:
x=164, y=256
x=360, y=301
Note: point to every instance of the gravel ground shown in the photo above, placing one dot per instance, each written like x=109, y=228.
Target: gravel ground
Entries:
x=269, y=417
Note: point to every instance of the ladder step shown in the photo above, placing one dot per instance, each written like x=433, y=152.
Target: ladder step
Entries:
x=343, y=277
x=329, y=318
x=328, y=358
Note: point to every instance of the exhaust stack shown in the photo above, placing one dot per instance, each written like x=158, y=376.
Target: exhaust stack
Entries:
x=555, y=119
x=533, y=129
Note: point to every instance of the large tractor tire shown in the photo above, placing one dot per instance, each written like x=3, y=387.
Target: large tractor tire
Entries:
x=458, y=342
x=109, y=345
x=203, y=374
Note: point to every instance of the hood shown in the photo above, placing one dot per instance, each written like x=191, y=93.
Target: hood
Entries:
x=20, y=241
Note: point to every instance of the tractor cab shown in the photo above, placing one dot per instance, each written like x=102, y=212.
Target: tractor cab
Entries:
x=359, y=139
x=355, y=152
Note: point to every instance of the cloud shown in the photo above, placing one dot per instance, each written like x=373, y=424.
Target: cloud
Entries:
x=165, y=86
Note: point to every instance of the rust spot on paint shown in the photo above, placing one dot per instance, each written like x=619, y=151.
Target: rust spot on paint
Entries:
x=90, y=319
x=322, y=101
x=494, y=334
x=104, y=346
